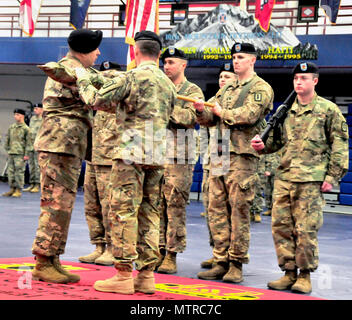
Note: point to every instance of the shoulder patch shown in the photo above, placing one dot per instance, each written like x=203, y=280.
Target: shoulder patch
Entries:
x=344, y=127
x=108, y=86
x=258, y=96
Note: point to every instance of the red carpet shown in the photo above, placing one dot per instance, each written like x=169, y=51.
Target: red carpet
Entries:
x=16, y=284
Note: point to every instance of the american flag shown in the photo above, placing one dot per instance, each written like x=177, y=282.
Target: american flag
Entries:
x=29, y=12
x=140, y=15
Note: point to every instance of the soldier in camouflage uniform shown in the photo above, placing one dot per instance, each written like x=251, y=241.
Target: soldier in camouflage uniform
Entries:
x=146, y=98
x=34, y=125
x=226, y=74
x=314, y=148
x=241, y=107
x=179, y=172
x=271, y=162
x=18, y=146
x=96, y=180
x=62, y=144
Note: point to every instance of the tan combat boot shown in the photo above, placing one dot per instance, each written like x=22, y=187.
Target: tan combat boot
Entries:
x=90, y=258
x=28, y=188
x=235, y=273
x=169, y=264
x=44, y=270
x=257, y=218
x=216, y=272
x=284, y=282
x=122, y=282
x=58, y=266
x=9, y=193
x=161, y=258
x=145, y=282
x=267, y=213
x=207, y=264
x=35, y=188
x=17, y=193
x=303, y=283
x=106, y=259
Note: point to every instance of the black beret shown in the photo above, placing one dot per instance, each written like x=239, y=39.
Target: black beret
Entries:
x=21, y=111
x=172, y=52
x=38, y=105
x=227, y=67
x=147, y=35
x=84, y=41
x=306, y=67
x=243, y=47
x=107, y=65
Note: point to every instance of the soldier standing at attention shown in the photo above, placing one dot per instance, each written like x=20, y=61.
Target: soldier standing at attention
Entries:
x=241, y=107
x=34, y=172
x=18, y=146
x=62, y=144
x=313, y=143
x=178, y=172
x=143, y=99
x=226, y=75
x=96, y=179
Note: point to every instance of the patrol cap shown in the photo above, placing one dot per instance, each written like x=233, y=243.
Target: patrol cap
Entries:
x=172, y=52
x=227, y=66
x=305, y=67
x=84, y=40
x=147, y=35
x=243, y=47
x=21, y=111
x=38, y=105
x=107, y=65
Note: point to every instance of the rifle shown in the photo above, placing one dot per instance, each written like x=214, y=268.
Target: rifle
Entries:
x=279, y=116
x=211, y=105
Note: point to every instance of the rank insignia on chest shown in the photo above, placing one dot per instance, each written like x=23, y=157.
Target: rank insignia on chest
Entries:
x=258, y=97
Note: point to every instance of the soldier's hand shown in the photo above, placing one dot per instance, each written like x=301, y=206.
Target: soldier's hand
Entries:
x=199, y=105
x=257, y=143
x=25, y=158
x=326, y=187
x=80, y=72
x=217, y=109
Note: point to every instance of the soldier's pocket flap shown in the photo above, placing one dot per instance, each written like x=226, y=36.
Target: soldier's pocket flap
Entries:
x=248, y=182
x=68, y=181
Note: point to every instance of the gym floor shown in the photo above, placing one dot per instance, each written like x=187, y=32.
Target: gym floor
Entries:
x=332, y=280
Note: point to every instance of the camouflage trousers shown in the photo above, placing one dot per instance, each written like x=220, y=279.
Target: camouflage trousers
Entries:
x=16, y=167
x=175, y=193
x=230, y=199
x=258, y=202
x=96, y=202
x=268, y=191
x=59, y=175
x=205, y=195
x=297, y=215
x=134, y=215
x=34, y=172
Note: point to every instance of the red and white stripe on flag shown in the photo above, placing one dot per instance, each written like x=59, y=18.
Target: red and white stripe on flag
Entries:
x=263, y=11
x=140, y=15
x=29, y=12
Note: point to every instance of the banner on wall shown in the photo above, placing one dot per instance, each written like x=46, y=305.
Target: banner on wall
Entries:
x=210, y=36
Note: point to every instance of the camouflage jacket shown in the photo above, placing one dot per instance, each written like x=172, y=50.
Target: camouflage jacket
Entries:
x=314, y=142
x=18, y=139
x=34, y=125
x=182, y=143
x=144, y=99
x=66, y=118
x=104, y=130
x=244, y=121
